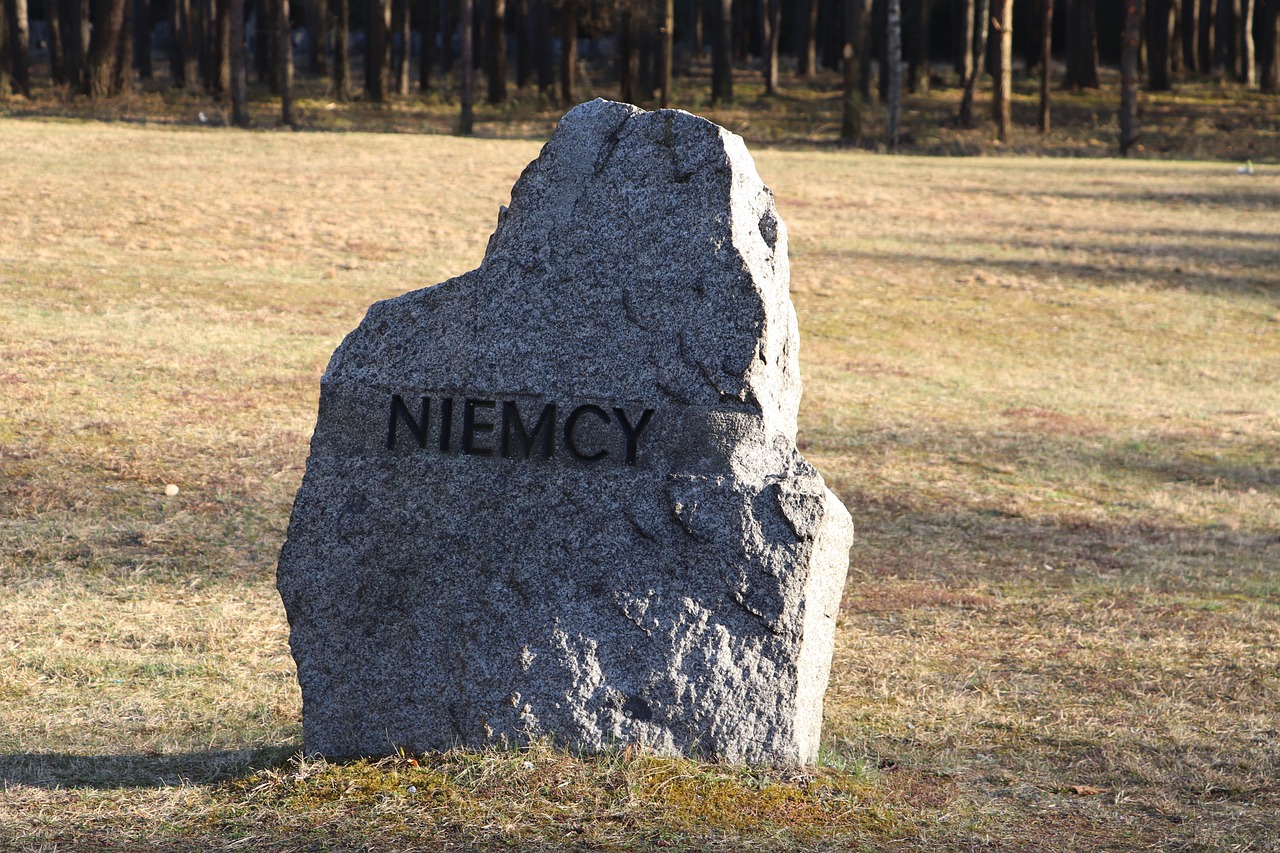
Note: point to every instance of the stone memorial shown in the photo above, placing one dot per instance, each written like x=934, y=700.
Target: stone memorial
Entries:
x=560, y=496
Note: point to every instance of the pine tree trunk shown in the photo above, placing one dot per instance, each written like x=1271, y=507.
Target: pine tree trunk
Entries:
x=103, y=46
x=342, y=50
x=721, y=54
x=854, y=22
x=964, y=52
x=1207, y=52
x=6, y=55
x=427, y=61
x=524, y=44
x=807, y=26
x=542, y=42
x=965, y=118
x=142, y=39
x=19, y=25
x=401, y=26
x=222, y=51
x=74, y=44
x=466, y=119
x=1248, y=59
x=893, y=59
x=625, y=32
x=284, y=55
x=1046, y=60
x=239, y=69
x=498, y=52
x=177, y=68
x=375, y=50
x=1129, y=45
x=263, y=41
x=54, y=29
x=769, y=27
x=1159, y=40
x=1269, y=49
x=568, y=50
x=122, y=69
x=1003, y=95
x=1189, y=12
x=666, y=46
x=1082, y=45
x=1226, y=37
x=916, y=37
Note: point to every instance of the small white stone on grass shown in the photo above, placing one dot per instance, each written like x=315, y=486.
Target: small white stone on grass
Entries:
x=171, y=490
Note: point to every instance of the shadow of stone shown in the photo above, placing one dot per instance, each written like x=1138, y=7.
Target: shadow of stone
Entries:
x=71, y=770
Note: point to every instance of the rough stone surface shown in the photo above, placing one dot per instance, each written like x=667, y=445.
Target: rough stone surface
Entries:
x=671, y=581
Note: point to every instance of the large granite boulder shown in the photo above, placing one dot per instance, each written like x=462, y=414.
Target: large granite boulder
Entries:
x=560, y=496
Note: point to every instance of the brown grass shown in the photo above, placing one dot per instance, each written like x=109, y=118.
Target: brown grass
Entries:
x=1045, y=389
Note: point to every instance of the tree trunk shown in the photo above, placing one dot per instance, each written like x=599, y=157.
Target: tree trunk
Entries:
x=401, y=26
x=807, y=27
x=177, y=69
x=542, y=40
x=568, y=50
x=1206, y=49
x=964, y=40
x=498, y=52
x=916, y=32
x=103, y=46
x=239, y=66
x=1226, y=40
x=19, y=25
x=1046, y=60
x=965, y=118
x=72, y=25
x=524, y=44
x=142, y=39
x=375, y=50
x=284, y=51
x=1189, y=28
x=1159, y=40
x=466, y=119
x=427, y=60
x=6, y=54
x=1248, y=59
x=893, y=59
x=320, y=62
x=122, y=68
x=1269, y=49
x=625, y=32
x=444, y=24
x=222, y=51
x=769, y=44
x=1129, y=45
x=342, y=50
x=854, y=22
x=1003, y=94
x=1082, y=45
x=721, y=54
x=263, y=27
x=666, y=46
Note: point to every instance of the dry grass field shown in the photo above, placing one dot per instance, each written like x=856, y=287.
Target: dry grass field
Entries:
x=1046, y=389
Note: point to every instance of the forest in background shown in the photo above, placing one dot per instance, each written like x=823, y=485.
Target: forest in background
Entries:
x=465, y=52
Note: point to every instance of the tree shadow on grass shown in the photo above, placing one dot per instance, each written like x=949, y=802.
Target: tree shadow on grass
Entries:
x=71, y=770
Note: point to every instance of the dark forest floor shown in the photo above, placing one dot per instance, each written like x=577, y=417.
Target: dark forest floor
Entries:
x=1200, y=119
